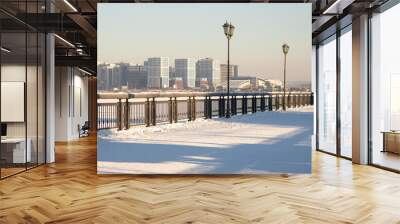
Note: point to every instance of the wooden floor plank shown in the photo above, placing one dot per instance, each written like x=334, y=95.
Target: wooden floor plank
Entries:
x=70, y=191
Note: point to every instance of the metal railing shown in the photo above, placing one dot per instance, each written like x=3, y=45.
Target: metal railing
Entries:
x=123, y=110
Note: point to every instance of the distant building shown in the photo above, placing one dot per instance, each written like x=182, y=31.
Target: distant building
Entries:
x=115, y=74
x=274, y=84
x=177, y=83
x=240, y=85
x=171, y=73
x=203, y=84
x=118, y=74
x=186, y=69
x=157, y=72
x=209, y=69
x=123, y=71
x=103, y=77
x=233, y=73
x=136, y=77
x=243, y=82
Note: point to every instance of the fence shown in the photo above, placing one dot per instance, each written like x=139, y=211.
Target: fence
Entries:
x=123, y=111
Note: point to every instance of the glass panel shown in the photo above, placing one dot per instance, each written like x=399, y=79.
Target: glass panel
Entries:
x=385, y=84
x=346, y=93
x=32, y=90
x=41, y=99
x=13, y=86
x=31, y=98
x=23, y=90
x=327, y=96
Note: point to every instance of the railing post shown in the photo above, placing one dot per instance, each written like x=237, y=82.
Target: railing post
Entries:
x=170, y=110
x=244, y=105
x=205, y=108
x=153, y=112
x=253, y=104
x=312, y=99
x=223, y=106
x=126, y=114
x=210, y=110
x=219, y=106
x=233, y=105
x=119, y=117
x=147, y=112
x=262, y=103
x=175, y=110
x=189, y=109
x=193, y=108
x=270, y=102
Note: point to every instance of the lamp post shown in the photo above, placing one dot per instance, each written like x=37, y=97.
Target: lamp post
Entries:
x=285, y=49
x=228, y=30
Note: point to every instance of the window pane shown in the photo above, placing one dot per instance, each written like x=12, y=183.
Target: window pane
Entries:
x=13, y=85
x=327, y=96
x=346, y=93
x=386, y=89
x=31, y=97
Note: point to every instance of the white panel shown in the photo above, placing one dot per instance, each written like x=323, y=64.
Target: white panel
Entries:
x=395, y=102
x=12, y=101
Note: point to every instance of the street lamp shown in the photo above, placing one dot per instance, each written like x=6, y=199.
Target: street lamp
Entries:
x=285, y=49
x=228, y=30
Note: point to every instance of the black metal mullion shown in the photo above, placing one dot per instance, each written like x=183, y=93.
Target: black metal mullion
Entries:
x=369, y=88
x=37, y=91
x=45, y=94
x=338, y=93
x=26, y=87
x=317, y=96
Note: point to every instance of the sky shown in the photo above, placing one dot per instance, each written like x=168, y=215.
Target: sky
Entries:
x=134, y=32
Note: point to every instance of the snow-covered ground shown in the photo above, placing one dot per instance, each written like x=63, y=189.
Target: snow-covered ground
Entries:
x=263, y=142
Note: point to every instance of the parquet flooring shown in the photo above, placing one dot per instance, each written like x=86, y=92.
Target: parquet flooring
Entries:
x=70, y=191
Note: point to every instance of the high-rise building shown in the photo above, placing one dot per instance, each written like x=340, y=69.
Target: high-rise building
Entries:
x=233, y=73
x=115, y=73
x=102, y=77
x=157, y=72
x=123, y=72
x=209, y=69
x=136, y=77
x=185, y=68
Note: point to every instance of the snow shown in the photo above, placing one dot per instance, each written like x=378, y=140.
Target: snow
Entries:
x=264, y=142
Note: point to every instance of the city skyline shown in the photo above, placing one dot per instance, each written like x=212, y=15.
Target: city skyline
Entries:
x=222, y=63
x=204, y=74
x=199, y=36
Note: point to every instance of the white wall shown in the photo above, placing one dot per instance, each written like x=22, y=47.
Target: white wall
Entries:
x=71, y=94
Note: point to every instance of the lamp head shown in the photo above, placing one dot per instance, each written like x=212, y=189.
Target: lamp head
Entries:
x=285, y=48
x=226, y=27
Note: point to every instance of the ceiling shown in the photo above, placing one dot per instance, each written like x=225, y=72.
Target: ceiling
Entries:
x=75, y=21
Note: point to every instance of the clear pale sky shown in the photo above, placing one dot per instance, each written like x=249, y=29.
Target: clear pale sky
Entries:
x=134, y=32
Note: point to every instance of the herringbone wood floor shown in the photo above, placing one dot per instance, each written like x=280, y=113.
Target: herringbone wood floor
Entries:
x=70, y=191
